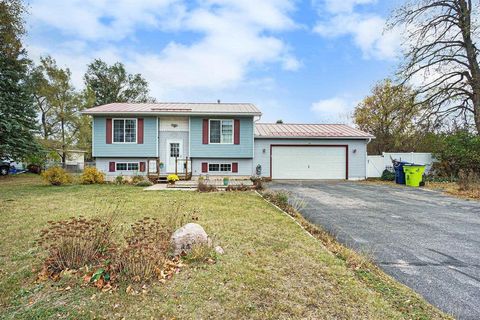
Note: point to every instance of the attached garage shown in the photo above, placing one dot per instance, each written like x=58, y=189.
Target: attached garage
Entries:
x=310, y=152
x=309, y=162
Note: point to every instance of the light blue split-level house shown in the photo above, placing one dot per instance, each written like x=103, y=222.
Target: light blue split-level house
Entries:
x=220, y=139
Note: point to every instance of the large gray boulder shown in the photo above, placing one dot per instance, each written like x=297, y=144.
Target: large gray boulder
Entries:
x=186, y=236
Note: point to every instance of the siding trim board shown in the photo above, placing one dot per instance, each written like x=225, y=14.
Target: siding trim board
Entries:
x=311, y=145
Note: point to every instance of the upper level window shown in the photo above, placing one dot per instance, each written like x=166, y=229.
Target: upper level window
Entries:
x=125, y=130
x=221, y=131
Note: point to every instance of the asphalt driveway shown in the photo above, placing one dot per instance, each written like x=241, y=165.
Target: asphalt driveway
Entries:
x=424, y=239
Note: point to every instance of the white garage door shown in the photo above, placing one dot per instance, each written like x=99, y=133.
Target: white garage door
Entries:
x=304, y=163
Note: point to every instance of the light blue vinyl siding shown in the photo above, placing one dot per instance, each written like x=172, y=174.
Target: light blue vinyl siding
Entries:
x=102, y=149
x=242, y=150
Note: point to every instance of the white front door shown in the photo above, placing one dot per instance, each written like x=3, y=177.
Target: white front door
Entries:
x=175, y=155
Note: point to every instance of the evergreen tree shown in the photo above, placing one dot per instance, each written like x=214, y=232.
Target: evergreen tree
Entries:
x=17, y=112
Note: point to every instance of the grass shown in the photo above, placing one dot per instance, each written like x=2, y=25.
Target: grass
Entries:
x=452, y=188
x=449, y=188
x=271, y=268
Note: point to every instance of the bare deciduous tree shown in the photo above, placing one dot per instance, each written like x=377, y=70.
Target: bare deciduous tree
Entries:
x=441, y=51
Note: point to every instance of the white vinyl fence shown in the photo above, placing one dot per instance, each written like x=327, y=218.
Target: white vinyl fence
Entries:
x=377, y=164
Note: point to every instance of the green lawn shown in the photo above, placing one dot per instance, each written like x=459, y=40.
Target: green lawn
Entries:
x=271, y=268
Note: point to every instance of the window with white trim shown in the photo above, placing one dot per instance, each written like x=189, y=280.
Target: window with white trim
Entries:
x=220, y=167
x=124, y=130
x=127, y=166
x=221, y=131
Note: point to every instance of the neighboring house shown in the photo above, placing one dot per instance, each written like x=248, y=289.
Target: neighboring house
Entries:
x=74, y=157
x=220, y=139
x=74, y=161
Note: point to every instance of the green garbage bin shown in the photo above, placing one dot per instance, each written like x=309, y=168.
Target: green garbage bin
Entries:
x=413, y=174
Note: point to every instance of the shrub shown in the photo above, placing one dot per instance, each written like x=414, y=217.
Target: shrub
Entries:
x=468, y=180
x=458, y=151
x=278, y=198
x=144, y=183
x=34, y=168
x=172, y=178
x=75, y=243
x=120, y=180
x=137, y=179
x=240, y=187
x=57, y=176
x=257, y=183
x=387, y=175
x=92, y=176
x=203, y=187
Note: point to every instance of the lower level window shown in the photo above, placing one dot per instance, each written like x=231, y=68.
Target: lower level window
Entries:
x=127, y=166
x=220, y=167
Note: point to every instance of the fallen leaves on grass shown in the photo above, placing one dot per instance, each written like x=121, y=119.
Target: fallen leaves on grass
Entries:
x=452, y=188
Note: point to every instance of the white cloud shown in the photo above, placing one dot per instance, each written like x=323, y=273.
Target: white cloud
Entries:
x=336, y=109
x=235, y=37
x=104, y=19
x=367, y=30
x=341, y=6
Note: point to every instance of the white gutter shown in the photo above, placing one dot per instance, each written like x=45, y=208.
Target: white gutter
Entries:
x=314, y=137
x=173, y=113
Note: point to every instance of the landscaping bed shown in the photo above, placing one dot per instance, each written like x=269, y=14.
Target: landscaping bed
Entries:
x=270, y=268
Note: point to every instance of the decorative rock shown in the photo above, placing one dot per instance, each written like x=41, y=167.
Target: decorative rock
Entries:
x=184, y=237
x=219, y=250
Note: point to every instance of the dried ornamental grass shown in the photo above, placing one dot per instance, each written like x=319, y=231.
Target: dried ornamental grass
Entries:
x=76, y=242
x=204, y=187
x=148, y=245
x=145, y=253
x=468, y=180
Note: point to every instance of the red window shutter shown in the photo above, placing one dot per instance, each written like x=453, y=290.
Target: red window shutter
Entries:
x=205, y=131
x=142, y=166
x=108, y=129
x=204, y=167
x=140, y=131
x=236, y=131
x=235, y=167
x=111, y=166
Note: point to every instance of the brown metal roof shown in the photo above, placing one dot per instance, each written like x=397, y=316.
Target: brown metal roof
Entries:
x=274, y=130
x=176, y=108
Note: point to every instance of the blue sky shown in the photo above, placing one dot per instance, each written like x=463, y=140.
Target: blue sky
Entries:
x=300, y=61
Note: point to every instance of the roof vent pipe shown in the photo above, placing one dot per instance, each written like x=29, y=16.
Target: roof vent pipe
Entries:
x=218, y=101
